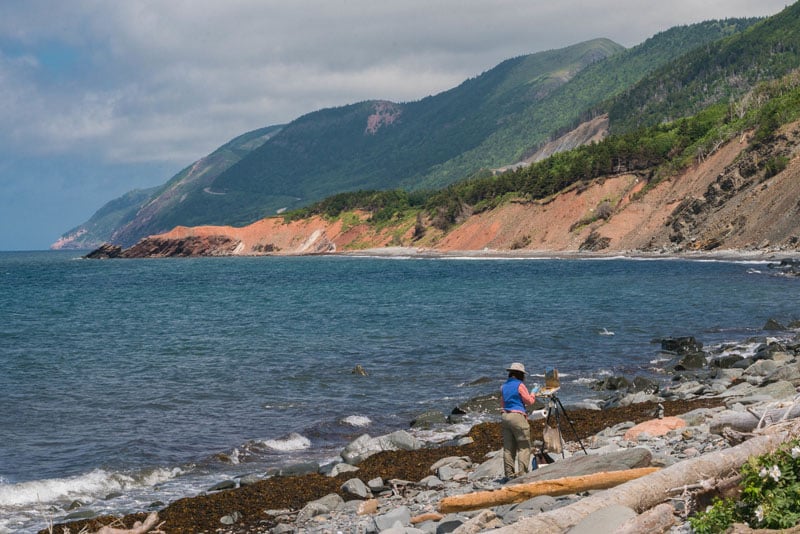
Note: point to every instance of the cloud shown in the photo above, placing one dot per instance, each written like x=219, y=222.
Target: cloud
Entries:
x=170, y=81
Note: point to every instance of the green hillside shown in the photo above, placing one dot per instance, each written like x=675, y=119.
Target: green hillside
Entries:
x=714, y=73
x=332, y=150
x=575, y=101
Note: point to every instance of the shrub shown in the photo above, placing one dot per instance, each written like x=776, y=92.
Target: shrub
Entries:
x=770, y=495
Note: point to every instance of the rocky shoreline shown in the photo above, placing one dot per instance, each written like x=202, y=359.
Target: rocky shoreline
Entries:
x=396, y=483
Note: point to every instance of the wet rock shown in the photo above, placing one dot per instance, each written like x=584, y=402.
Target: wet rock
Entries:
x=681, y=345
x=224, y=485
x=298, y=469
x=773, y=325
x=727, y=361
x=482, y=404
x=429, y=419
x=104, y=252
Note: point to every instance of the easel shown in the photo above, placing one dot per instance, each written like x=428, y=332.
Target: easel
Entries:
x=555, y=410
x=554, y=407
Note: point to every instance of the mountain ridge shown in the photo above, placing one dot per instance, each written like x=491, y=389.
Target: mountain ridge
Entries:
x=233, y=196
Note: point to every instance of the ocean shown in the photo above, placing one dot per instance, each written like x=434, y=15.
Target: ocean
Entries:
x=131, y=382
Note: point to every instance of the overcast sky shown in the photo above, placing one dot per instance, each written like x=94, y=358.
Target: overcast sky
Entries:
x=101, y=97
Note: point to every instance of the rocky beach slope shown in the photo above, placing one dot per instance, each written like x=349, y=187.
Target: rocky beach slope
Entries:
x=709, y=401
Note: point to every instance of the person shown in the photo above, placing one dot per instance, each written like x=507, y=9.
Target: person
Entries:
x=515, y=398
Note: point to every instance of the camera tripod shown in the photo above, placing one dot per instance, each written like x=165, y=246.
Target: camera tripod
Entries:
x=555, y=410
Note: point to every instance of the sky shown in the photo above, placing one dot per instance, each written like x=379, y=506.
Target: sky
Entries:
x=100, y=97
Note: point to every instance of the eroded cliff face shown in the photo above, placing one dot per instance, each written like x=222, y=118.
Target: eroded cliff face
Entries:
x=729, y=201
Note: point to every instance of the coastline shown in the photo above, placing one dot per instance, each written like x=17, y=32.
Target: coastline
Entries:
x=706, y=400
x=729, y=255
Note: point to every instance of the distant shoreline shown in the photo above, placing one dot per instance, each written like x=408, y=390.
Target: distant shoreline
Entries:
x=731, y=255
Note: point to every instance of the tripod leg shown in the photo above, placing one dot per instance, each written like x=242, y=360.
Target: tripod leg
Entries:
x=574, y=432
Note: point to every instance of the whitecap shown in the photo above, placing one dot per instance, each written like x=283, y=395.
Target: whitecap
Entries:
x=356, y=420
x=88, y=486
x=292, y=442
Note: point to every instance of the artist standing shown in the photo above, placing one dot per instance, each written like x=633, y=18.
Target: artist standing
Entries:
x=516, y=430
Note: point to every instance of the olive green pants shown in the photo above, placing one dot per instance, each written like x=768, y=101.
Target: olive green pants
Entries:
x=516, y=444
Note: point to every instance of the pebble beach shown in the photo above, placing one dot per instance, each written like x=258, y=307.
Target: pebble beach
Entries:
x=395, y=483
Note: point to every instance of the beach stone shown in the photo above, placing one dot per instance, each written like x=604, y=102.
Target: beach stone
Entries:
x=779, y=390
x=692, y=360
x=773, y=325
x=448, y=473
x=482, y=404
x=359, y=449
x=450, y=523
x=654, y=427
x=789, y=373
x=365, y=446
x=511, y=513
x=368, y=507
x=401, y=515
x=607, y=519
x=455, y=462
x=81, y=514
x=486, y=520
x=637, y=398
x=376, y=484
x=342, y=467
x=739, y=421
x=727, y=361
x=324, y=505
x=431, y=481
x=356, y=488
x=299, y=469
x=761, y=368
x=249, y=480
x=491, y=468
x=282, y=528
x=230, y=519
x=681, y=345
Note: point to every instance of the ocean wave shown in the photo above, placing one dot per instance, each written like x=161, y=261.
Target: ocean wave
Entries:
x=356, y=420
x=97, y=483
x=292, y=442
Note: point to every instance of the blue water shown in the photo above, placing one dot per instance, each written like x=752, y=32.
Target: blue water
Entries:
x=138, y=376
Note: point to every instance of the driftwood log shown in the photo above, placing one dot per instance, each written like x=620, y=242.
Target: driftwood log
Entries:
x=647, y=492
x=148, y=525
x=555, y=487
x=654, y=521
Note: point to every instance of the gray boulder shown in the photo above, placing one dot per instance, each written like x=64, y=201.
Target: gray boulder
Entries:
x=356, y=488
x=581, y=464
x=400, y=516
x=325, y=505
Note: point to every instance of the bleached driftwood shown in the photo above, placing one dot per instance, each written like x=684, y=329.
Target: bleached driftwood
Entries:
x=646, y=492
x=523, y=492
x=138, y=527
x=654, y=521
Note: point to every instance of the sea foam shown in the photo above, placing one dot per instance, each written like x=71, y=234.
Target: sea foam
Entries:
x=357, y=420
x=94, y=484
x=292, y=442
